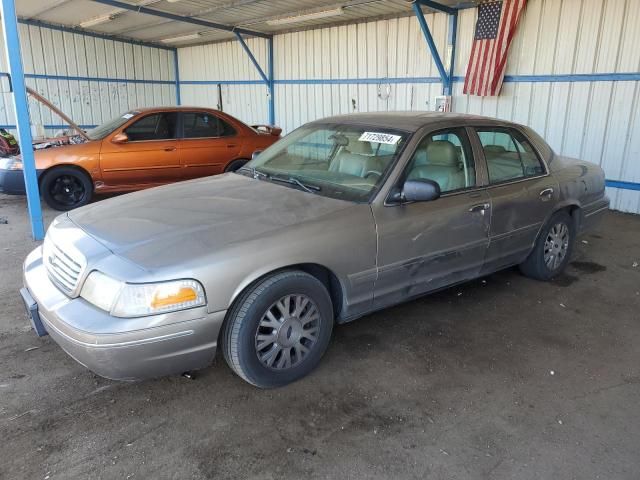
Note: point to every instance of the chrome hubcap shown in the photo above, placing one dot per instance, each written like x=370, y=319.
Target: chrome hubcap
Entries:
x=556, y=246
x=287, y=332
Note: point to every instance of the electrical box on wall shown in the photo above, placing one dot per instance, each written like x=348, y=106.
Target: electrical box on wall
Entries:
x=442, y=103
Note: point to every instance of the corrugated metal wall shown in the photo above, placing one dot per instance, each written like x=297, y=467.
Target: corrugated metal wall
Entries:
x=203, y=68
x=89, y=78
x=385, y=65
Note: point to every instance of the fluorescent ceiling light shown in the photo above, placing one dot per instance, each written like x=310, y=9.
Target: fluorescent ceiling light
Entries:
x=183, y=38
x=96, y=20
x=307, y=16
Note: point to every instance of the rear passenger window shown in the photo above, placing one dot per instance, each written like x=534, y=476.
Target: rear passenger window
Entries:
x=509, y=155
x=205, y=125
x=444, y=157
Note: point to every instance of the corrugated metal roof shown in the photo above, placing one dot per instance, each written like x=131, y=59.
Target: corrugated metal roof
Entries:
x=254, y=15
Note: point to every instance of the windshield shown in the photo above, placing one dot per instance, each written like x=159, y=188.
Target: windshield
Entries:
x=348, y=162
x=105, y=129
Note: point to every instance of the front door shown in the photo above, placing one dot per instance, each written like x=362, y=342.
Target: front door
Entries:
x=522, y=195
x=208, y=144
x=148, y=157
x=424, y=246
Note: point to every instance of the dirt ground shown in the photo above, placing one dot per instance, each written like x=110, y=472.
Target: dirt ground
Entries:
x=502, y=378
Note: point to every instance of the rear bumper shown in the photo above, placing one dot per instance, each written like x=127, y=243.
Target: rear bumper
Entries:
x=187, y=344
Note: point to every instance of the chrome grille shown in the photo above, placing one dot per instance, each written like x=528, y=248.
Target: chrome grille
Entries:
x=61, y=267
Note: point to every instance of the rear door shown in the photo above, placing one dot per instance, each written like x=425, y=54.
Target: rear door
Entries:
x=148, y=157
x=207, y=144
x=424, y=246
x=522, y=194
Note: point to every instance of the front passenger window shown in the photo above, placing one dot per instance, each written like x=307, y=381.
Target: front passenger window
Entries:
x=444, y=157
x=157, y=126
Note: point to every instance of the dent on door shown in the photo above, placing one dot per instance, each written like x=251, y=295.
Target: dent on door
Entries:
x=427, y=246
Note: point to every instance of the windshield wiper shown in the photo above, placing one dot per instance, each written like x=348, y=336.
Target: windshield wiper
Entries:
x=307, y=187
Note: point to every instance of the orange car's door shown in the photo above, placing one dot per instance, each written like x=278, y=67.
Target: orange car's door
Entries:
x=207, y=145
x=148, y=157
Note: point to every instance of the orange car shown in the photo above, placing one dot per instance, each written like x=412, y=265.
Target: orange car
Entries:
x=140, y=149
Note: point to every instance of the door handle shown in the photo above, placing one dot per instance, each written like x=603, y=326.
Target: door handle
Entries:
x=481, y=207
x=546, y=194
x=231, y=145
x=170, y=149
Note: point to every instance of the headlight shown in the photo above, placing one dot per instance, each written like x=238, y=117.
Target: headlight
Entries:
x=10, y=163
x=137, y=300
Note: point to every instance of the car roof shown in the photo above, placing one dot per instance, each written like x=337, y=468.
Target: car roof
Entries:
x=410, y=120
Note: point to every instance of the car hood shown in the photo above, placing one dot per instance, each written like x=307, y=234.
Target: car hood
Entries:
x=178, y=222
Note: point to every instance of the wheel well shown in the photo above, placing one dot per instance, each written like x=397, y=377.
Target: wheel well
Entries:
x=226, y=167
x=576, y=215
x=320, y=272
x=66, y=165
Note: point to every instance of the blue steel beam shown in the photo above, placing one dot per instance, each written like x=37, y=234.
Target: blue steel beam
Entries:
x=453, y=33
x=436, y=6
x=272, y=102
x=181, y=18
x=14, y=59
x=431, y=44
x=176, y=69
x=267, y=78
x=252, y=58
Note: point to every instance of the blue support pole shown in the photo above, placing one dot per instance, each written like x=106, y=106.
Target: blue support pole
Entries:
x=272, y=102
x=432, y=46
x=453, y=33
x=14, y=59
x=176, y=74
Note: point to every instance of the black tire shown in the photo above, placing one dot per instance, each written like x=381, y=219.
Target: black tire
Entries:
x=535, y=266
x=235, y=165
x=246, y=320
x=65, y=188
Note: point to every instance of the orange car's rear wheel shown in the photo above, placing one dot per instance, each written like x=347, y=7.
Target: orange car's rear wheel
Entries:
x=235, y=165
x=65, y=188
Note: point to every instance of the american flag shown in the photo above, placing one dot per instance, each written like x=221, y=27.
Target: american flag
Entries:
x=495, y=28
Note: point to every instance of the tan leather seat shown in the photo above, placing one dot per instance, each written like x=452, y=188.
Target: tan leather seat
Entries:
x=439, y=162
x=356, y=159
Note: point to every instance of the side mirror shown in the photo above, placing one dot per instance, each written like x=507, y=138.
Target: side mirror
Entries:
x=276, y=131
x=120, y=138
x=422, y=190
x=255, y=155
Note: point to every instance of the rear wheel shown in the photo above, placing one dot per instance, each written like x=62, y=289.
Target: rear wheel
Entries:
x=64, y=188
x=552, y=250
x=279, y=329
x=235, y=165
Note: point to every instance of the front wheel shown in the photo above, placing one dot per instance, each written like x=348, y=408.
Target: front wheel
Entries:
x=64, y=188
x=552, y=250
x=278, y=330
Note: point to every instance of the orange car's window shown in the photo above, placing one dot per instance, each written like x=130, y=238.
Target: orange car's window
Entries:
x=157, y=126
x=203, y=125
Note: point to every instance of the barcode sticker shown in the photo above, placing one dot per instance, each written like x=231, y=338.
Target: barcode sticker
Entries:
x=378, y=137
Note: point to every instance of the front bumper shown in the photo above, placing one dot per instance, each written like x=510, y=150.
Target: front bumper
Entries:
x=162, y=347
x=12, y=182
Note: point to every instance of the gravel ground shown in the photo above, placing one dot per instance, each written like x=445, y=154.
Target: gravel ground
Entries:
x=501, y=378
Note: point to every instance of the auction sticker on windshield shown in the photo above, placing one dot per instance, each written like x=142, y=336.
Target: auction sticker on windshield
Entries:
x=378, y=137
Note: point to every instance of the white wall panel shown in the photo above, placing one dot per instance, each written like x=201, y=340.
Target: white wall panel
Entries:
x=53, y=52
